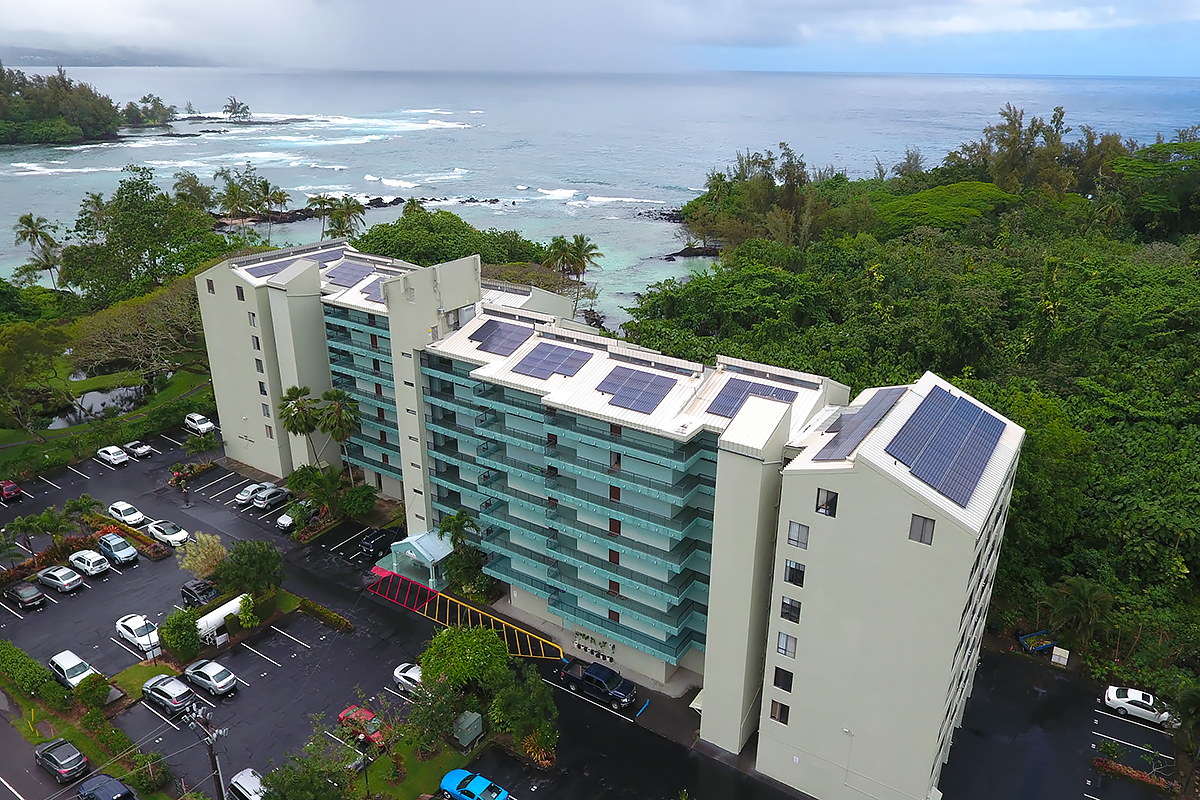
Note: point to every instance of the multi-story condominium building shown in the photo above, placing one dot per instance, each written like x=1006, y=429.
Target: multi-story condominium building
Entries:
x=743, y=526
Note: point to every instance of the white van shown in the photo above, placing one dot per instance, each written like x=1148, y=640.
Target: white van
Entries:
x=246, y=785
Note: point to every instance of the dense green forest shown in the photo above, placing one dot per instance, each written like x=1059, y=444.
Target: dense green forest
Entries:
x=53, y=109
x=1053, y=274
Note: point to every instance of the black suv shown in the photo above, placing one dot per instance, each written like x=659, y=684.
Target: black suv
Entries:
x=197, y=593
x=378, y=543
x=105, y=787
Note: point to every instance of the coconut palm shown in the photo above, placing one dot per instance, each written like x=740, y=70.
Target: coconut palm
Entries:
x=558, y=255
x=266, y=199
x=339, y=418
x=412, y=206
x=323, y=204
x=26, y=527
x=80, y=507
x=235, y=201
x=298, y=414
x=456, y=526
x=203, y=445
x=582, y=253
x=236, y=109
x=345, y=217
x=1080, y=605
x=34, y=231
x=53, y=522
x=45, y=258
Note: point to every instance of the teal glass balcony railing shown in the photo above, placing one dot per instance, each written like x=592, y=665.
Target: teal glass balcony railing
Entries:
x=679, y=493
x=456, y=483
x=681, y=458
x=501, y=569
x=496, y=516
x=490, y=396
x=388, y=426
x=363, y=396
x=670, y=650
x=563, y=549
x=692, y=553
x=447, y=400
x=492, y=455
x=338, y=340
x=691, y=522
x=500, y=543
x=687, y=614
x=448, y=373
x=368, y=442
x=358, y=319
x=357, y=456
x=347, y=368
x=494, y=426
x=467, y=437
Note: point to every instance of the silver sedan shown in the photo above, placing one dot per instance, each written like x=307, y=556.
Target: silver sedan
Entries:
x=211, y=676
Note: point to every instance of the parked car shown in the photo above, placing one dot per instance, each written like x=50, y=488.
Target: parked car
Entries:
x=114, y=547
x=596, y=680
x=104, y=787
x=61, y=759
x=462, y=785
x=9, y=491
x=113, y=456
x=138, y=631
x=246, y=785
x=197, y=592
x=124, y=512
x=378, y=543
x=271, y=498
x=168, y=693
x=89, y=562
x=211, y=676
x=69, y=669
x=24, y=595
x=61, y=579
x=246, y=495
x=1136, y=703
x=407, y=677
x=301, y=511
x=198, y=423
x=138, y=449
x=166, y=531
x=363, y=721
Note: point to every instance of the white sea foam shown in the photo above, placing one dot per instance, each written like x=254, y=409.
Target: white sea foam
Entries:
x=370, y=177
x=334, y=167
x=185, y=164
x=558, y=194
x=522, y=188
x=600, y=200
x=396, y=183
x=38, y=169
x=320, y=188
x=426, y=111
x=474, y=112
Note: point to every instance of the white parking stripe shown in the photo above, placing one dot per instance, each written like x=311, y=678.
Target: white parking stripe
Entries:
x=154, y=450
x=23, y=547
x=27, y=494
x=1131, y=744
x=77, y=472
x=393, y=691
x=231, y=488
x=98, y=461
x=360, y=533
x=140, y=656
x=156, y=713
x=51, y=599
x=588, y=699
x=293, y=638
x=8, y=786
x=336, y=739
x=202, y=700
x=172, y=441
x=1137, y=722
x=114, y=569
x=85, y=583
x=242, y=682
x=9, y=610
x=218, y=480
x=2, y=503
x=52, y=483
x=260, y=655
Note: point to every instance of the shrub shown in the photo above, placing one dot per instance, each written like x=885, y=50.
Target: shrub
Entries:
x=93, y=692
x=150, y=773
x=265, y=604
x=251, y=566
x=325, y=616
x=179, y=634
x=22, y=669
x=94, y=720
x=55, y=695
x=151, y=549
x=114, y=740
x=246, y=616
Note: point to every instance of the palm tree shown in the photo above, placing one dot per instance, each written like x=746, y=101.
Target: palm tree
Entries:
x=9, y=549
x=325, y=492
x=235, y=201
x=236, y=109
x=80, y=507
x=1080, y=605
x=298, y=414
x=558, y=255
x=34, y=231
x=45, y=258
x=412, y=206
x=323, y=203
x=266, y=198
x=54, y=523
x=347, y=214
x=277, y=197
x=202, y=445
x=25, y=527
x=339, y=418
x=456, y=526
x=583, y=253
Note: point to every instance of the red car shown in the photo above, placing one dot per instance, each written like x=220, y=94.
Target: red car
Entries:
x=9, y=491
x=364, y=722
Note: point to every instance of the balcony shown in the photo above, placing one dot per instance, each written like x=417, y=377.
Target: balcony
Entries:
x=496, y=515
x=491, y=454
x=501, y=569
x=453, y=481
x=491, y=396
x=501, y=544
x=367, y=441
x=687, y=614
x=562, y=549
x=342, y=341
x=363, y=396
x=680, y=458
x=388, y=426
x=357, y=456
x=347, y=365
x=448, y=373
x=448, y=401
x=493, y=424
x=444, y=426
x=679, y=493
x=356, y=319
x=691, y=523
x=673, y=559
x=671, y=650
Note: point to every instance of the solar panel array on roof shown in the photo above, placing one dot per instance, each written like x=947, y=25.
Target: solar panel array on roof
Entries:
x=270, y=268
x=327, y=256
x=947, y=443
x=547, y=359
x=855, y=428
x=501, y=338
x=374, y=290
x=348, y=273
x=735, y=391
x=636, y=389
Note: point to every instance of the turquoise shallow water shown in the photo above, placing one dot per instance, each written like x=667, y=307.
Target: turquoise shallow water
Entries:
x=564, y=154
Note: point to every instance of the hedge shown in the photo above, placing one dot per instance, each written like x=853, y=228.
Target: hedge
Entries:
x=54, y=554
x=325, y=616
x=22, y=669
x=93, y=691
x=150, y=773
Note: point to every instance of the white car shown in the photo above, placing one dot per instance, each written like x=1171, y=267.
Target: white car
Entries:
x=138, y=449
x=198, y=423
x=303, y=510
x=211, y=676
x=124, y=512
x=1136, y=703
x=89, y=562
x=112, y=455
x=138, y=631
x=69, y=669
x=407, y=677
x=166, y=531
x=246, y=495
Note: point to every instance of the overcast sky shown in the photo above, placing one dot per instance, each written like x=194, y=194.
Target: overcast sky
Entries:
x=1047, y=37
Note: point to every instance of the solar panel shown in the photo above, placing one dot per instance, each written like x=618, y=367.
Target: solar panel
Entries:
x=483, y=331
x=960, y=480
x=501, y=338
x=270, y=268
x=635, y=389
x=349, y=273
x=547, y=359
x=836, y=425
x=935, y=459
x=374, y=290
x=912, y=437
x=856, y=428
x=327, y=256
x=733, y=396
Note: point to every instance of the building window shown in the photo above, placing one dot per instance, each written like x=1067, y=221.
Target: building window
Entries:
x=407, y=355
x=614, y=557
x=370, y=318
x=374, y=340
x=262, y=388
x=409, y=410
x=614, y=616
x=793, y=573
x=827, y=502
x=211, y=288
x=614, y=588
x=614, y=462
x=921, y=529
x=614, y=527
x=615, y=430
x=253, y=319
x=414, y=465
x=378, y=481
x=379, y=390
x=408, y=383
x=258, y=366
x=614, y=493
x=779, y=712
x=266, y=410
x=798, y=535
x=385, y=459
x=790, y=610
x=241, y=293
x=783, y=679
x=414, y=439
x=255, y=343
x=417, y=491
x=383, y=437
x=379, y=413
x=786, y=645
x=270, y=432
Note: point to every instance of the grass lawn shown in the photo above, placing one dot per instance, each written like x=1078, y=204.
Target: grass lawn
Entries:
x=424, y=777
x=286, y=601
x=131, y=680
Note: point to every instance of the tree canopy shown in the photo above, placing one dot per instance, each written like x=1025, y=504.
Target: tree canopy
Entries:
x=52, y=109
x=433, y=237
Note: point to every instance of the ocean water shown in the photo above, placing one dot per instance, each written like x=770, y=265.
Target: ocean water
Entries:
x=563, y=154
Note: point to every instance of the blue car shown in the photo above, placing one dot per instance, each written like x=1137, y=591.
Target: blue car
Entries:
x=462, y=785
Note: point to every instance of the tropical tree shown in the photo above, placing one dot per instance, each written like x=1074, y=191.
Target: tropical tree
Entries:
x=180, y=635
x=339, y=418
x=34, y=231
x=322, y=486
x=267, y=198
x=203, y=445
x=45, y=258
x=252, y=566
x=346, y=215
x=1187, y=708
x=53, y=522
x=188, y=188
x=235, y=201
x=1080, y=605
x=467, y=656
x=456, y=526
x=558, y=255
x=80, y=507
x=202, y=556
x=582, y=253
x=26, y=527
x=236, y=109
x=322, y=204
x=298, y=414
x=412, y=206
x=10, y=551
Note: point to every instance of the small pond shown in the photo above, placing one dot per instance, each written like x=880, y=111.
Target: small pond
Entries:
x=124, y=399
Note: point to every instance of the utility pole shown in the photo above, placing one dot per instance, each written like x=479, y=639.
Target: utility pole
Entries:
x=199, y=719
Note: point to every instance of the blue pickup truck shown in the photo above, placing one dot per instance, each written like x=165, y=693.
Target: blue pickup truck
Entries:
x=596, y=680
